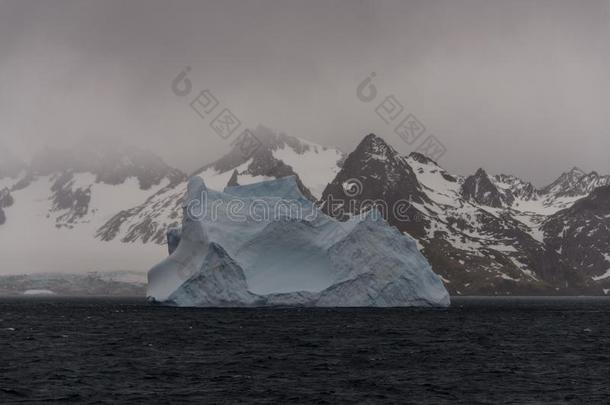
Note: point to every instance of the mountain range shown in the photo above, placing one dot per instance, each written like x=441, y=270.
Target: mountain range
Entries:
x=107, y=208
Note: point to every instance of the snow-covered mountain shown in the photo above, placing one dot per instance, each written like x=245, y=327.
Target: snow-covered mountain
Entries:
x=52, y=207
x=581, y=235
x=82, y=207
x=278, y=155
x=575, y=183
x=482, y=234
x=519, y=189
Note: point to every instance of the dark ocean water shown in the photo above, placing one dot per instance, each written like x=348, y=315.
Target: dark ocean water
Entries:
x=508, y=351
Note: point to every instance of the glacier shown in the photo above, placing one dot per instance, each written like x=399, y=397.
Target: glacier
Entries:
x=265, y=244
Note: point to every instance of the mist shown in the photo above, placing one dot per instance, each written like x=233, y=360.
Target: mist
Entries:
x=516, y=88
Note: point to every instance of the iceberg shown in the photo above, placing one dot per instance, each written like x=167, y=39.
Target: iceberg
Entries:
x=265, y=244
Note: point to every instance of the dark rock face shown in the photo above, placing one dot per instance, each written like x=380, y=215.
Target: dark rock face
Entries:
x=480, y=189
x=262, y=161
x=268, y=142
x=506, y=258
x=517, y=187
x=374, y=174
x=11, y=167
x=581, y=235
x=6, y=199
x=264, y=164
x=418, y=157
x=233, y=180
x=73, y=202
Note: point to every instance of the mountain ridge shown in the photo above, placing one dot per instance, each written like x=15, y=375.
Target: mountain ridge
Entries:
x=484, y=234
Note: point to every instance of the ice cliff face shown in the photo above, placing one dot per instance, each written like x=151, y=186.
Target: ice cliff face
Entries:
x=266, y=244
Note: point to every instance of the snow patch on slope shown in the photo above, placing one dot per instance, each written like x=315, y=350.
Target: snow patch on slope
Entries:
x=65, y=249
x=316, y=167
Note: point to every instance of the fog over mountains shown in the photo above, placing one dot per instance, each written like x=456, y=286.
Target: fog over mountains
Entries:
x=99, y=207
x=497, y=83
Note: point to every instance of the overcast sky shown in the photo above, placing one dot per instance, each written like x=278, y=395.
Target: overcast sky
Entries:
x=519, y=87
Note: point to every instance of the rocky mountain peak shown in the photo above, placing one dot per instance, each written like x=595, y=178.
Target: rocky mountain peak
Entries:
x=575, y=182
x=376, y=147
x=277, y=155
x=519, y=188
x=481, y=173
x=374, y=171
x=480, y=189
x=565, y=182
x=375, y=157
x=267, y=141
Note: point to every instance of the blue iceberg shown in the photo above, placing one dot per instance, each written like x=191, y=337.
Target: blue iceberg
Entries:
x=265, y=244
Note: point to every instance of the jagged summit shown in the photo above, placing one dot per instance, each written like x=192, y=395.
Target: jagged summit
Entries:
x=375, y=147
x=565, y=182
x=480, y=189
x=267, y=141
x=575, y=182
x=375, y=171
x=520, y=189
x=277, y=155
x=373, y=155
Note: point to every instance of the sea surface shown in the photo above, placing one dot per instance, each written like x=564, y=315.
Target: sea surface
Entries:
x=479, y=351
